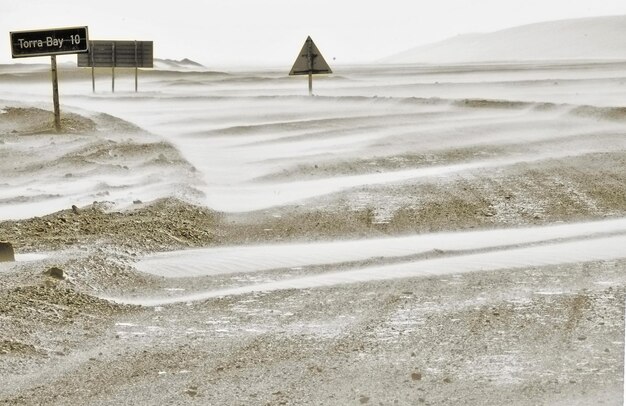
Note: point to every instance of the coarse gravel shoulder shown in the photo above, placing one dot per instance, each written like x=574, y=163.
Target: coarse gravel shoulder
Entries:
x=550, y=333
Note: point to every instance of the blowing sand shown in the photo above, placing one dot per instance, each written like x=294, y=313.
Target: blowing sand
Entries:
x=443, y=237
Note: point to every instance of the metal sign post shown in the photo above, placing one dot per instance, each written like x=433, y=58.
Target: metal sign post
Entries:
x=136, y=67
x=310, y=62
x=93, y=70
x=53, y=42
x=113, y=68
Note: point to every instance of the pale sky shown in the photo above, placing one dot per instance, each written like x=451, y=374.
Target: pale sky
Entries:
x=240, y=33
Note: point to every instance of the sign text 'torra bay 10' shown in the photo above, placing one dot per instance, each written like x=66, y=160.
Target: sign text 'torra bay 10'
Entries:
x=71, y=40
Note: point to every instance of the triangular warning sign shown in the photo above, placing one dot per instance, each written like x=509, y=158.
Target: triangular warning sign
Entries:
x=310, y=61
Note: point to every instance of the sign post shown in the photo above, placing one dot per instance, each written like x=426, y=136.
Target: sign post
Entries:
x=93, y=69
x=53, y=42
x=310, y=62
x=55, y=93
x=136, y=67
x=113, y=68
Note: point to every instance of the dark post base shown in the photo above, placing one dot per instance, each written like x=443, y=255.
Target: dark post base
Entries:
x=6, y=252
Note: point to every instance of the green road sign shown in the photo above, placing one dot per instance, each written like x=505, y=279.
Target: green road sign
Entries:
x=55, y=41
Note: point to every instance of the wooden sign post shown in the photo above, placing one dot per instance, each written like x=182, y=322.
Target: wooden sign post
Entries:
x=310, y=62
x=55, y=93
x=53, y=42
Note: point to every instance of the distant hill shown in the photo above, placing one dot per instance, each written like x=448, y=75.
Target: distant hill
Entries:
x=577, y=39
x=172, y=64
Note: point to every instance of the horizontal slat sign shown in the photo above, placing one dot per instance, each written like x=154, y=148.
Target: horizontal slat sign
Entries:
x=56, y=41
x=118, y=54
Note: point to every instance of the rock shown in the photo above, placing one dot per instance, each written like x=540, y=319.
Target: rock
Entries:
x=192, y=391
x=7, y=254
x=75, y=209
x=364, y=399
x=416, y=376
x=55, y=272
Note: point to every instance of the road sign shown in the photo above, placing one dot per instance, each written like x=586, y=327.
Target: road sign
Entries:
x=54, y=41
x=310, y=61
x=118, y=54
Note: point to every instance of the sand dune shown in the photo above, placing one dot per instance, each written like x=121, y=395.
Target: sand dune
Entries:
x=593, y=38
x=46, y=174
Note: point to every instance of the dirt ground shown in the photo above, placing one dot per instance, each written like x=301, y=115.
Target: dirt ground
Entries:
x=535, y=336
